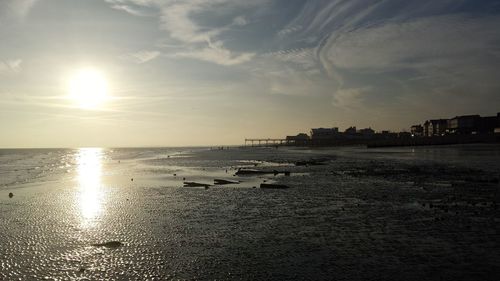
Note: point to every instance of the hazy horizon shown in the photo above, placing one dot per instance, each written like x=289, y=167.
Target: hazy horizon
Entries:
x=151, y=73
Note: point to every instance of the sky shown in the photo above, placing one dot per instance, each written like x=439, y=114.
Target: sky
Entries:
x=208, y=72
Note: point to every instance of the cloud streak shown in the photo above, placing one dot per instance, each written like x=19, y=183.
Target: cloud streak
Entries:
x=10, y=66
x=178, y=19
x=142, y=56
x=15, y=9
x=395, y=51
x=216, y=53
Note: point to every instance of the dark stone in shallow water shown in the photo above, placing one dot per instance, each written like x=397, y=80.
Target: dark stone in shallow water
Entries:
x=11, y=194
x=273, y=186
x=195, y=184
x=252, y=172
x=110, y=244
x=222, y=181
x=310, y=163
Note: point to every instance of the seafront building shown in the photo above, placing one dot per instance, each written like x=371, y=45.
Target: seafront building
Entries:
x=458, y=125
x=324, y=133
x=299, y=139
x=437, y=127
x=459, y=129
x=417, y=131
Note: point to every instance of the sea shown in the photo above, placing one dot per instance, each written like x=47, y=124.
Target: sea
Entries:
x=343, y=213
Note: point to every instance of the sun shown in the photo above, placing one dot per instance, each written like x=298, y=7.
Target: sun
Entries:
x=88, y=88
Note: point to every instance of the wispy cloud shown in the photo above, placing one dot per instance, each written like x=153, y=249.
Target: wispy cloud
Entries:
x=240, y=20
x=216, y=53
x=133, y=7
x=142, y=56
x=350, y=98
x=15, y=9
x=380, y=47
x=288, y=30
x=304, y=57
x=339, y=47
x=178, y=20
x=10, y=66
x=409, y=44
x=129, y=9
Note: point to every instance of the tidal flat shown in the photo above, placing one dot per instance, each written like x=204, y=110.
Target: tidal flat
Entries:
x=349, y=214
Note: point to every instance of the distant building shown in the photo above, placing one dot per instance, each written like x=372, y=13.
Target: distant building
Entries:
x=300, y=136
x=488, y=124
x=298, y=139
x=324, y=133
x=404, y=135
x=388, y=134
x=441, y=127
x=426, y=128
x=366, y=132
x=437, y=127
x=497, y=128
x=350, y=131
x=467, y=124
x=417, y=131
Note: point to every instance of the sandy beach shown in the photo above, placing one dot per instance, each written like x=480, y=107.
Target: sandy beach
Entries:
x=348, y=214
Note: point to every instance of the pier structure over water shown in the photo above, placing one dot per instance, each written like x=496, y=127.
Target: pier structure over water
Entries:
x=267, y=142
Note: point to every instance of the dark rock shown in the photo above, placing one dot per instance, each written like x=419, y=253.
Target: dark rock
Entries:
x=195, y=184
x=252, y=172
x=310, y=163
x=11, y=194
x=222, y=181
x=273, y=186
x=110, y=244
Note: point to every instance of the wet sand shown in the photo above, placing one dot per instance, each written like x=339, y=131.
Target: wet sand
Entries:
x=358, y=217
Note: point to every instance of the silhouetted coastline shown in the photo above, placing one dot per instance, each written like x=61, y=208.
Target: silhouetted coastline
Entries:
x=457, y=130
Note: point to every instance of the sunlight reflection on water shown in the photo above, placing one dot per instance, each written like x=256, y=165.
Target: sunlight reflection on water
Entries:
x=90, y=195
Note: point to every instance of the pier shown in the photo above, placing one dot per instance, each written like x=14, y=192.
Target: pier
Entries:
x=267, y=142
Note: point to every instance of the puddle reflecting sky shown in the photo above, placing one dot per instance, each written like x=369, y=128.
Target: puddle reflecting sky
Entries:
x=90, y=190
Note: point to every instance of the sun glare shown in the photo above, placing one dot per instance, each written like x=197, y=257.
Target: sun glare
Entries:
x=88, y=88
x=91, y=194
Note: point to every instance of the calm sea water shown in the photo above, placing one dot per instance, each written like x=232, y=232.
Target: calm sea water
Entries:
x=426, y=213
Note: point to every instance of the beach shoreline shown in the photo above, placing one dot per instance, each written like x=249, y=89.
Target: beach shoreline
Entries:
x=349, y=214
